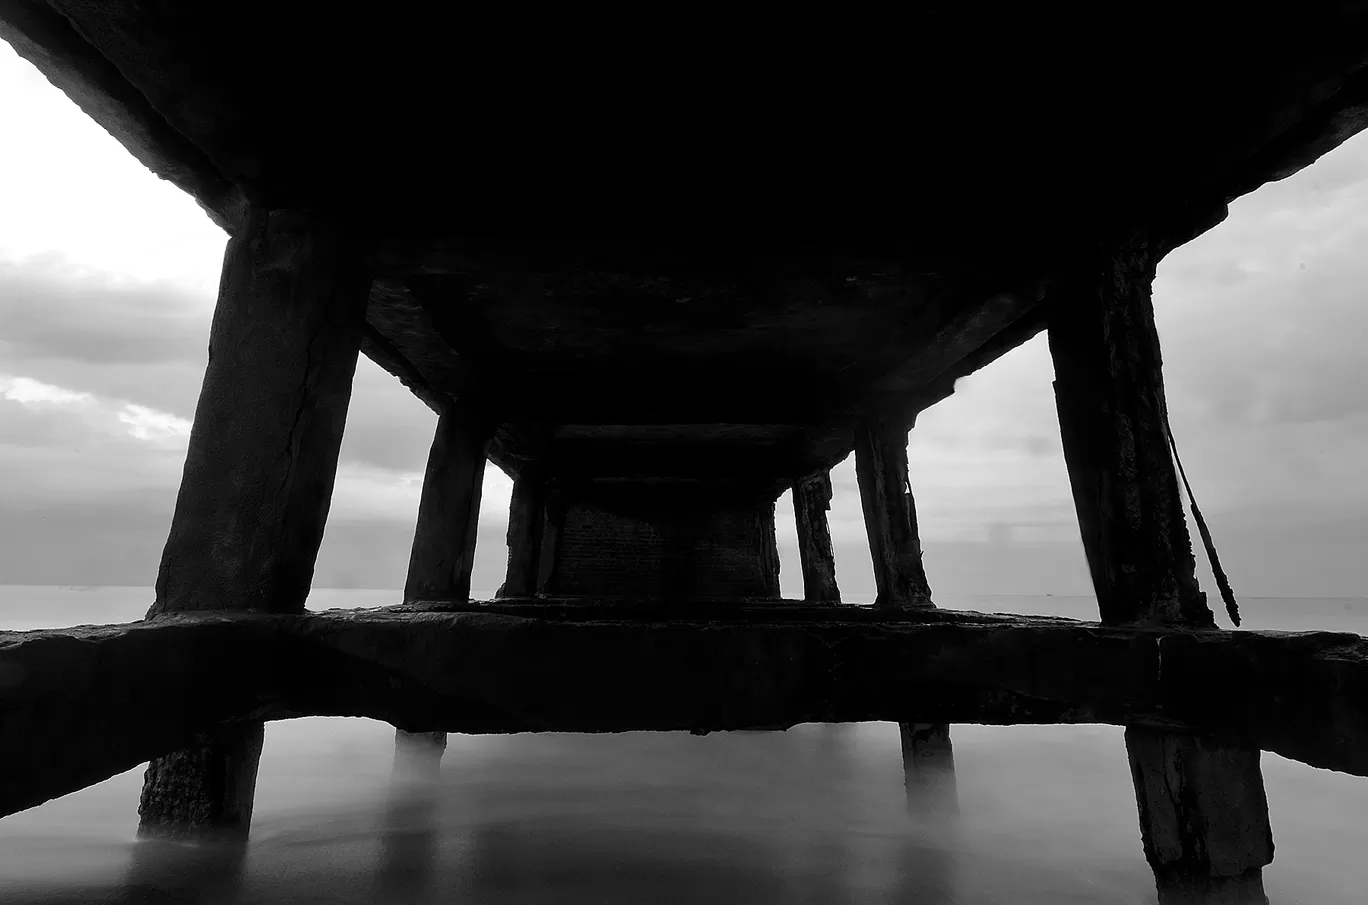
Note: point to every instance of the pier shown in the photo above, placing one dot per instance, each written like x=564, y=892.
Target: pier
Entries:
x=660, y=267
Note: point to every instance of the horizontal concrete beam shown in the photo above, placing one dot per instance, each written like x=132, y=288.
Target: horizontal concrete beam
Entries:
x=78, y=705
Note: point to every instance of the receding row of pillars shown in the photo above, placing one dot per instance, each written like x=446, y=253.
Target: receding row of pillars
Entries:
x=263, y=455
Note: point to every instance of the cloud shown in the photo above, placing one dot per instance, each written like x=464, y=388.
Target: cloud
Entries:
x=51, y=309
x=1263, y=318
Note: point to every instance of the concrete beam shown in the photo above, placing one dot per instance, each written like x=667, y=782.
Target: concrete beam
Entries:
x=83, y=704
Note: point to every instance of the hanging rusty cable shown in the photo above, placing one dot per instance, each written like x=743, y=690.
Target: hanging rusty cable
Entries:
x=1227, y=593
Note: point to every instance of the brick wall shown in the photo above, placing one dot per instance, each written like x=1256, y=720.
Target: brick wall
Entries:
x=665, y=543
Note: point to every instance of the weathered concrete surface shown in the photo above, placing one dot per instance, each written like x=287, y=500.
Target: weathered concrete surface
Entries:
x=890, y=515
x=259, y=472
x=204, y=791
x=82, y=704
x=526, y=521
x=1231, y=80
x=637, y=539
x=1109, y=389
x=449, y=511
x=811, y=502
x=1203, y=812
x=1203, y=817
x=263, y=450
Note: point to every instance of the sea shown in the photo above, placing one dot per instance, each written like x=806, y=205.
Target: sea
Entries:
x=812, y=815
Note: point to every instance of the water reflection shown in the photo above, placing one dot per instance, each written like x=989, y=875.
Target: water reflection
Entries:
x=814, y=815
x=186, y=874
x=616, y=820
x=410, y=835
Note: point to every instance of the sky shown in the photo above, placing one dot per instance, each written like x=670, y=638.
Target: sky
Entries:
x=107, y=284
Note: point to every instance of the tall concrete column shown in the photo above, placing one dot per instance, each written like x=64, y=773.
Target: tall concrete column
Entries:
x=526, y=521
x=811, y=502
x=449, y=512
x=1203, y=812
x=890, y=515
x=258, y=476
x=1109, y=390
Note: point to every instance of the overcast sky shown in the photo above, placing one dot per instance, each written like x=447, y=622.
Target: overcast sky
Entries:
x=107, y=283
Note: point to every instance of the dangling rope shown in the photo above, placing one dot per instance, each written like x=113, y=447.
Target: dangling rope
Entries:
x=1227, y=594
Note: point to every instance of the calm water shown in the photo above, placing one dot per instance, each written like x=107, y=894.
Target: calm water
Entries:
x=813, y=815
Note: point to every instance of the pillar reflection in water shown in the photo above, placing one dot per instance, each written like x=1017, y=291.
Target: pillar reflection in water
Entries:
x=185, y=873
x=410, y=831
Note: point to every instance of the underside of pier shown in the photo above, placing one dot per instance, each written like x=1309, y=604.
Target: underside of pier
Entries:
x=660, y=265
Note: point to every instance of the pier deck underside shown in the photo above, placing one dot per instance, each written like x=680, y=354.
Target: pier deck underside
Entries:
x=86, y=703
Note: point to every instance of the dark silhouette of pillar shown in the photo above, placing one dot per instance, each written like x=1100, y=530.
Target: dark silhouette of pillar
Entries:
x=444, y=546
x=1109, y=389
x=1203, y=812
x=548, y=545
x=205, y=791
x=1203, y=817
x=449, y=512
x=258, y=476
x=526, y=521
x=890, y=515
x=811, y=502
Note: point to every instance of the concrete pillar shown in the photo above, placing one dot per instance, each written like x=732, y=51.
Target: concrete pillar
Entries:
x=890, y=515
x=767, y=531
x=526, y=520
x=449, y=512
x=203, y=792
x=258, y=476
x=929, y=770
x=548, y=549
x=1203, y=817
x=444, y=548
x=1109, y=389
x=1203, y=813
x=811, y=502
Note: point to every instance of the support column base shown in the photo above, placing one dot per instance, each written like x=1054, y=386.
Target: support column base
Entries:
x=1180, y=885
x=205, y=792
x=1203, y=818
x=907, y=603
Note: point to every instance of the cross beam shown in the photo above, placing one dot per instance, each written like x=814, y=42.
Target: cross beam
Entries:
x=83, y=704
